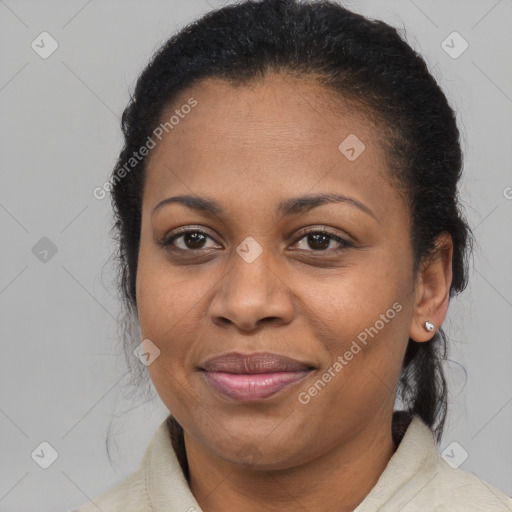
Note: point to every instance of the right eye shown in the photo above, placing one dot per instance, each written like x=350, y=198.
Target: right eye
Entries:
x=193, y=240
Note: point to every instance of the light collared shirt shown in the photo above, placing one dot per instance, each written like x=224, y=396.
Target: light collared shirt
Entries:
x=416, y=479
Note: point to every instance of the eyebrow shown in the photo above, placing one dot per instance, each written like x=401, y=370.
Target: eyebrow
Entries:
x=286, y=208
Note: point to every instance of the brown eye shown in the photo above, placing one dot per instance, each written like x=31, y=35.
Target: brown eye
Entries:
x=320, y=240
x=192, y=240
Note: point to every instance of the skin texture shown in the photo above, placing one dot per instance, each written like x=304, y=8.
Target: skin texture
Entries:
x=248, y=148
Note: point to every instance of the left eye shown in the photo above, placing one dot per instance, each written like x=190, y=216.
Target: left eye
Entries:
x=320, y=240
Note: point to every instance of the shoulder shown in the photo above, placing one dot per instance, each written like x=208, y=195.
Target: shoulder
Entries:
x=453, y=489
x=158, y=484
x=443, y=487
x=129, y=495
x=417, y=478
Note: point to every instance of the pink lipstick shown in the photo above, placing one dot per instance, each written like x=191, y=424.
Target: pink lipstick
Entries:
x=253, y=377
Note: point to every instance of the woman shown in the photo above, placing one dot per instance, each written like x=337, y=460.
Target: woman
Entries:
x=290, y=238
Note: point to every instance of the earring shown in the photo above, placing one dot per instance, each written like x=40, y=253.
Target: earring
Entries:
x=429, y=326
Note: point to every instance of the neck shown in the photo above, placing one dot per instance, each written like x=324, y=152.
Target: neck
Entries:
x=338, y=480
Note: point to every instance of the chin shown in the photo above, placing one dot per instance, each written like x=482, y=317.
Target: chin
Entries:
x=252, y=449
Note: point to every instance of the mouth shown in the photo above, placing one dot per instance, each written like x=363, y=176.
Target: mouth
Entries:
x=253, y=377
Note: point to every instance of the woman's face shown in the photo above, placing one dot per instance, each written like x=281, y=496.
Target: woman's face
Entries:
x=252, y=280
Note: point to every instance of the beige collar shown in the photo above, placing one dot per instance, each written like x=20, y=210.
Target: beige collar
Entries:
x=168, y=489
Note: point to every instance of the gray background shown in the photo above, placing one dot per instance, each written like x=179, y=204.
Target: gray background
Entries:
x=61, y=378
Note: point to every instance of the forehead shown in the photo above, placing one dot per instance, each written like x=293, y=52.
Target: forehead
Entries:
x=275, y=137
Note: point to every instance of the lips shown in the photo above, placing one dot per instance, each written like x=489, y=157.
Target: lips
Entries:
x=255, y=376
x=254, y=363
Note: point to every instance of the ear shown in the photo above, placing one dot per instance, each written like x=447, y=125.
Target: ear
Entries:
x=432, y=290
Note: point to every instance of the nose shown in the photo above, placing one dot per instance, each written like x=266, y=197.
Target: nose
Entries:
x=252, y=294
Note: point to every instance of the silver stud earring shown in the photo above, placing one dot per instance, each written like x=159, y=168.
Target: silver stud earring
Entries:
x=429, y=326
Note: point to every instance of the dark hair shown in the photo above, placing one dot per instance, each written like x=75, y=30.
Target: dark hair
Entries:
x=363, y=61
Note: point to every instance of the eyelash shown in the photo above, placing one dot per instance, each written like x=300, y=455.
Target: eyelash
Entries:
x=167, y=243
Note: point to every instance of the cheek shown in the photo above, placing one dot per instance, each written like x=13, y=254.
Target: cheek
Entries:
x=362, y=319
x=166, y=317
x=353, y=300
x=170, y=315
x=166, y=298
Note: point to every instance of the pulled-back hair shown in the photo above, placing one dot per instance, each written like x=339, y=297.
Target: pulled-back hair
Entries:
x=363, y=61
